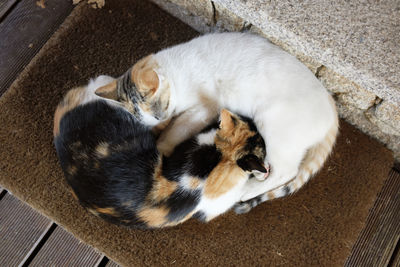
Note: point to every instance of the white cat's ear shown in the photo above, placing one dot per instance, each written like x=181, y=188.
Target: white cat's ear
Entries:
x=227, y=120
x=108, y=91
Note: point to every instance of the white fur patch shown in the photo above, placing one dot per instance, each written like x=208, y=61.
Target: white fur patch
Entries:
x=185, y=182
x=206, y=138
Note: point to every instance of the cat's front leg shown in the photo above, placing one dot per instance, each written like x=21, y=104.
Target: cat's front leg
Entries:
x=183, y=127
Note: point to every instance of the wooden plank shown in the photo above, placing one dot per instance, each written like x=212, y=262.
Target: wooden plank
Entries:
x=2, y=192
x=63, y=249
x=112, y=264
x=24, y=31
x=5, y=6
x=21, y=228
x=378, y=239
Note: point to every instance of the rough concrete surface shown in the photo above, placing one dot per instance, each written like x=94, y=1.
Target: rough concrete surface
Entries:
x=359, y=40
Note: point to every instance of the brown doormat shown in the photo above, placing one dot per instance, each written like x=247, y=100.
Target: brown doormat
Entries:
x=316, y=226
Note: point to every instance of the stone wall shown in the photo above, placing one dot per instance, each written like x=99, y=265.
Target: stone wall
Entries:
x=375, y=116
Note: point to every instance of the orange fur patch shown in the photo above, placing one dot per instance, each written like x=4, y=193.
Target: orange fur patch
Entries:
x=72, y=99
x=162, y=187
x=109, y=211
x=230, y=140
x=270, y=195
x=102, y=150
x=194, y=183
x=232, y=136
x=223, y=178
x=153, y=217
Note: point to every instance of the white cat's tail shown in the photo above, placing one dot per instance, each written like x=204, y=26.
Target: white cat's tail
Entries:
x=311, y=164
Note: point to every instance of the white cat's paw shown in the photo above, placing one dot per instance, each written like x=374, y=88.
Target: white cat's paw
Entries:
x=165, y=148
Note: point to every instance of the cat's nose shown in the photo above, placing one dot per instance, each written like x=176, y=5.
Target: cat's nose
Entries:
x=267, y=173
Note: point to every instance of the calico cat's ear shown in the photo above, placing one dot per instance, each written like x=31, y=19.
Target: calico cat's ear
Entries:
x=227, y=121
x=144, y=76
x=146, y=81
x=251, y=163
x=108, y=91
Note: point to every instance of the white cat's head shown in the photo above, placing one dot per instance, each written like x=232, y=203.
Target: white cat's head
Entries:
x=142, y=91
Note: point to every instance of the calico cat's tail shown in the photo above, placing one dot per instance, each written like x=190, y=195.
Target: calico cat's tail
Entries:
x=311, y=164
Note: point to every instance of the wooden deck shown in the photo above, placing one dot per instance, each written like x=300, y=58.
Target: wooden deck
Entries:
x=30, y=239
x=27, y=238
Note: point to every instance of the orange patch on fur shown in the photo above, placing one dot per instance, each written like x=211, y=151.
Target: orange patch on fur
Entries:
x=270, y=195
x=154, y=217
x=162, y=187
x=194, y=183
x=72, y=99
x=232, y=135
x=230, y=140
x=109, y=211
x=102, y=150
x=222, y=179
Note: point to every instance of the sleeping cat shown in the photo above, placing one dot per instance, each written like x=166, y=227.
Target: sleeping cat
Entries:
x=245, y=74
x=112, y=164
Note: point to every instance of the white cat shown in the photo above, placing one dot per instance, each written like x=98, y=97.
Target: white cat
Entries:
x=247, y=75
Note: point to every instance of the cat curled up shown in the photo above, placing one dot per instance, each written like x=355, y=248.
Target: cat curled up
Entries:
x=246, y=74
x=112, y=164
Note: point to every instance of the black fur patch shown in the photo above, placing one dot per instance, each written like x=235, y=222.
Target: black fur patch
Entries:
x=256, y=141
x=175, y=165
x=286, y=190
x=181, y=202
x=201, y=216
x=250, y=122
x=192, y=158
x=203, y=160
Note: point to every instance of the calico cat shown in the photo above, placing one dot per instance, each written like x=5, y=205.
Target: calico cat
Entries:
x=245, y=74
x=112, y=164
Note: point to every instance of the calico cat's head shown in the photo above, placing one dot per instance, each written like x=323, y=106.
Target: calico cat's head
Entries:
x=142, y=91
x=238, y=138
